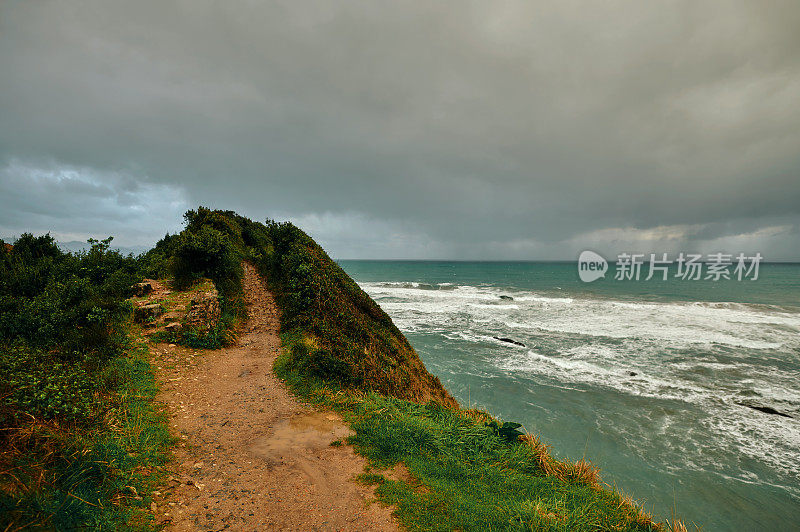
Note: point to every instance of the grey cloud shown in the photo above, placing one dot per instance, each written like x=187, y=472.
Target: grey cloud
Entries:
x=467, y=127
x=74, y=204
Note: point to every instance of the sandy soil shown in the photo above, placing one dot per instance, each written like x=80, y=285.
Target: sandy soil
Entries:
x=251, y=457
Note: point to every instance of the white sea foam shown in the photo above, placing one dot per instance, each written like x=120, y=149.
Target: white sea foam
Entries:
x=676, y=324
x=709, y=355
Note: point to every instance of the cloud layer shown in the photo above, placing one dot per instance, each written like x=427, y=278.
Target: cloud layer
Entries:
x=409, y=129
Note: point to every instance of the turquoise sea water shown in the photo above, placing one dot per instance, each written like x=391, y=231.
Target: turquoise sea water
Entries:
x=647, y=379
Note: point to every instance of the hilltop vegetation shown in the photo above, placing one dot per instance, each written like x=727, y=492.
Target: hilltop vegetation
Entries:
x=331, y=328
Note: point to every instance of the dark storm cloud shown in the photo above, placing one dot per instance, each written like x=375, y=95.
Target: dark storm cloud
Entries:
x=472, y=130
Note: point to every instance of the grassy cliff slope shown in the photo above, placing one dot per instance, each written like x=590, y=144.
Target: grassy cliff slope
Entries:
x=333, y=330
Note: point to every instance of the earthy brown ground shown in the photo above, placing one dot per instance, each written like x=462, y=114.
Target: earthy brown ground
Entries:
x=251, y=457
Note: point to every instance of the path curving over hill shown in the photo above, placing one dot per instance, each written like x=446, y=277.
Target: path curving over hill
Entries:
x=250, y=456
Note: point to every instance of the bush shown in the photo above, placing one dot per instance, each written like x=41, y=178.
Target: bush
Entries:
x=61, y=319
x=55, y=300
x=205, y=253
x=216, y=337
x=65, y=372
x=323, y=364
x=155, y=263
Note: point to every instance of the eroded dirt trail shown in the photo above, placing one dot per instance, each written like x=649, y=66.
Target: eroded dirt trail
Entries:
x=252, y=457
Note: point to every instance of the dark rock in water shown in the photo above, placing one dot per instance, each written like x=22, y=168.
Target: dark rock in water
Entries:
x=632, y=373
x=509, y=341
x=508, y=298
x=765, y=409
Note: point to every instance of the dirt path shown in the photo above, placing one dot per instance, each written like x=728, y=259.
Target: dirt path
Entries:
x=252, y=457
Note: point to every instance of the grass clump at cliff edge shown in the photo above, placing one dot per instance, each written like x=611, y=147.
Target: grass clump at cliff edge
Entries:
x=457, y=472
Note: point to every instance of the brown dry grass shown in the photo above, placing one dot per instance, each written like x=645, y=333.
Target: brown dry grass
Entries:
x=47, y=441
x=584, y=472
x=676, y=525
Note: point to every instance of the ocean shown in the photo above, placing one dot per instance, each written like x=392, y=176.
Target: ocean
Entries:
x=659, y=383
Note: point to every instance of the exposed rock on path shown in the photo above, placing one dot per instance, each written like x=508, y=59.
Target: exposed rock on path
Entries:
x=251, y=457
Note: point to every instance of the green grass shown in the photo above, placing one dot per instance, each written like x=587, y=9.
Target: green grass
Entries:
x=59, y=477
x=463, y=474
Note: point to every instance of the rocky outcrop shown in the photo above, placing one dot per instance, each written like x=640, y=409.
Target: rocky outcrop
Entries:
x=147, y=313
x=161, y=311
x=204, y=311
x=142, y=289
x=765, y=409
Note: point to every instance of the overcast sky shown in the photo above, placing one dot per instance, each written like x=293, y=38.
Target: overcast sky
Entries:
x=413, y=129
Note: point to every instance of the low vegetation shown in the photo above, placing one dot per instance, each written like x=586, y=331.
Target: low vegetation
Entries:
x=80, y=437
x=463, y=473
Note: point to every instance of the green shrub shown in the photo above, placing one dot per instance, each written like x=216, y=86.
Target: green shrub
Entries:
x=62, y=317
x=213, y=338
x=323, y=364
x=67, y=376
x=206, y=253
x=154, y=264
x=72, y=303
x=224, y=222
